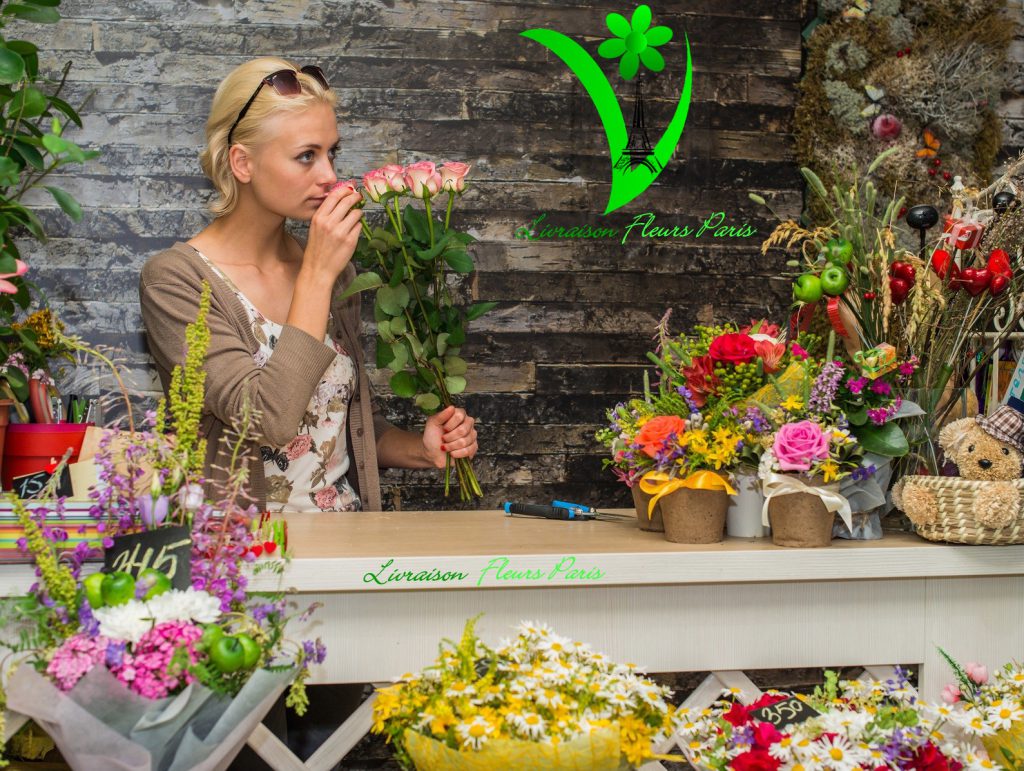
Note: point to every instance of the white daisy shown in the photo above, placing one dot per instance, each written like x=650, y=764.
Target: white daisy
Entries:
x=475, y=732
x=459, y=688
x=1002, y=716
x=530, y=724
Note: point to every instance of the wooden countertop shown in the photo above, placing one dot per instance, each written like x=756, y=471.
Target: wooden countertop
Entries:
x=431, y=550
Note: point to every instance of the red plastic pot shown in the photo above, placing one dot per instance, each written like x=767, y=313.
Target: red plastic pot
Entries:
x=29, y=447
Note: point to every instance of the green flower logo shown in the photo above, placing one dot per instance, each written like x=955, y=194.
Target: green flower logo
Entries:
x=635, y=41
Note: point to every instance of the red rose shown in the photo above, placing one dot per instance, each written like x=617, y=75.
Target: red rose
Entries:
x=737, y=715
x=701, y=379
x=734, y=348
x=929, y=758
x=655, y=434
x=765, y=735
x=767, y=700
x=754, y=760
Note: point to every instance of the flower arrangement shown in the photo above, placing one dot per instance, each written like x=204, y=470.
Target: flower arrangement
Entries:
x=125, y=634
x=547, y=695
x=420, y=329
x=989, y=709
x=858, y=724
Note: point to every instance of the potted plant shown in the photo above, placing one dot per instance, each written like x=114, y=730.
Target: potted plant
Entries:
x=629, y=460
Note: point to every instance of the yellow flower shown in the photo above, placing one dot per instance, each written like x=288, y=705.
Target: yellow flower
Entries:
x=793, y=402
x=830, y=469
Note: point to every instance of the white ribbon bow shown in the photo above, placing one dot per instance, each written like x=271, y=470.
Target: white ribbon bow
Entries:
x=785, y=484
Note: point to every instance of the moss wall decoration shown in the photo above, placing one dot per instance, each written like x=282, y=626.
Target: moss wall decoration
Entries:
x=924, y=75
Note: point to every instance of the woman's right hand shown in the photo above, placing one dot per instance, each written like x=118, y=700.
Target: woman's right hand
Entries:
x=333, y=234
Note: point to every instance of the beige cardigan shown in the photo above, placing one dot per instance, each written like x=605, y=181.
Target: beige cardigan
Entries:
x=169, y=290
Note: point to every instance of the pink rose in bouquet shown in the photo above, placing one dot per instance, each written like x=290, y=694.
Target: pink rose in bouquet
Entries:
x=395, y=175
x=798, y=445
x=732, y=348
x=375, y=183
x=422, y=179
x=453, y=176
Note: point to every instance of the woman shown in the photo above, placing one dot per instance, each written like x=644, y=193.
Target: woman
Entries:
x=278, y=334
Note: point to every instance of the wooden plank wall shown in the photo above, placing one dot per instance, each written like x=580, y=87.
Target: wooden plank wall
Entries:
x=453, y=79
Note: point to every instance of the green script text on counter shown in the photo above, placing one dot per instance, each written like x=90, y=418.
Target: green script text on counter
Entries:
x=497, y=570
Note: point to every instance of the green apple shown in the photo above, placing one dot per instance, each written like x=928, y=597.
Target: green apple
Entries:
x=157, y=582
x=93, y=586
x=839, y=250
x=807, y=288
x=211, y=633
x=228, y=654
x=117, y=588
x=251, y=649
x=834, y=280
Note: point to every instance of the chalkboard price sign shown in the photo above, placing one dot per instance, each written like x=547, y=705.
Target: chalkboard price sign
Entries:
x=30, y=485
x=167, y=549
x=788, y=712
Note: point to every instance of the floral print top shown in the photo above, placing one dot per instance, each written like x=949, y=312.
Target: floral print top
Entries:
x=308, y=473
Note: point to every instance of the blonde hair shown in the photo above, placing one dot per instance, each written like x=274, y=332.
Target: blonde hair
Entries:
x=231, y=96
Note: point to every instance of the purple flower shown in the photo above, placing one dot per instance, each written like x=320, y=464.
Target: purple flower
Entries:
x=856, y=385
x=881, y=387
x=823, y=392
x=315, y=651
x=152, y=513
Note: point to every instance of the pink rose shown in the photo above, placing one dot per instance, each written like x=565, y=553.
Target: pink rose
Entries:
x=453, y=176
x=375, y=183
x=798, y=444
x=951, y=694
x=350, y=183
x=395, y=175
x=886, y=126
x=422, y=179
x=977, y=672
x=298, y=446
x=326, y=498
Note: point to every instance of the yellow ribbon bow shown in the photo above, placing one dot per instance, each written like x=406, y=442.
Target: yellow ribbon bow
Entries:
x=658, y=484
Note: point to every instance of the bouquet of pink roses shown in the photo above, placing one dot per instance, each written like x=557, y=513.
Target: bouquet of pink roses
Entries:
x=406, y=259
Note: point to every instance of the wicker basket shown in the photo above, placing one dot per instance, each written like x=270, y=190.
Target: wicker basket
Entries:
x=953, y=519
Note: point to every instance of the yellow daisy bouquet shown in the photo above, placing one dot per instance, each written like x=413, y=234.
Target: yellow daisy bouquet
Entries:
x=538, y=701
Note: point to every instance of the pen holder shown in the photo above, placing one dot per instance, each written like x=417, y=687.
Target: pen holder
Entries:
x=30, y=446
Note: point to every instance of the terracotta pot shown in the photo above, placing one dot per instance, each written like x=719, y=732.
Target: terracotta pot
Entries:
x=652, y=523
x=800, y=520
x=694, y=516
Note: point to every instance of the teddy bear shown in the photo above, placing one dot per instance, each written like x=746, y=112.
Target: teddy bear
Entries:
x=986, y=448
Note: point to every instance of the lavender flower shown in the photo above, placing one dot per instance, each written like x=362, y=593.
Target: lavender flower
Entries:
x=823, y=392
x=315, y=651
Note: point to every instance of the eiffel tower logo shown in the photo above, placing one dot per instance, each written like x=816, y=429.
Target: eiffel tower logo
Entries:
x=638, y=150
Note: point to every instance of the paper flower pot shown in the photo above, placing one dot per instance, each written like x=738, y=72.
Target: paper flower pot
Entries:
x=800, y=520
x=597, y=752
x=694, y=516
x=743, y=519
x=1006, y=747
x=653, y=522
x=100, y=724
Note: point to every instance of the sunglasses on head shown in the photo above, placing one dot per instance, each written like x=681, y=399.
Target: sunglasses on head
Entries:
x=285, y=83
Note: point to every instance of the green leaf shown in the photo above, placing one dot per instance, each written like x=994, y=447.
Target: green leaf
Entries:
x=7, y=263
x=67, y=109
x=416, y=223
x=462, y=238
x=398, y=273
x=384, y=331
x=459, y=261
x=887, y=439
x=28, y=102
x=858, y=418
x=428, y=402
x=398, y=325
x=414, y=345
x=66, y=202
x=28, y=219
x=403, y=384
x=12, y=66
x=400, y=356
x=28, y=339
x=16, y=378
x=45, y=3
x=457, y=337
x=442, y=343
x=455, y=384
x=453, y=365
x=10, y=172
x=32, y=13
x=384, y=355
x=29, y=154
x=479, y=309
x=361, y=283
x=393, y=300
x=55, y=144
x=429, y=254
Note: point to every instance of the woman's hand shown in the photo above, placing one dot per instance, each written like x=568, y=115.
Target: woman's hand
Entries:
x=450, y=431
x=333, y=234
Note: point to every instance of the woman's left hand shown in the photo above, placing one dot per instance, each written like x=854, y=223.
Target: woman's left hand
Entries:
x=450, y=431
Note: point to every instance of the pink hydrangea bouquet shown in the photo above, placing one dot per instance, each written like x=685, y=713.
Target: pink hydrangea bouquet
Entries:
x=406, y=259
